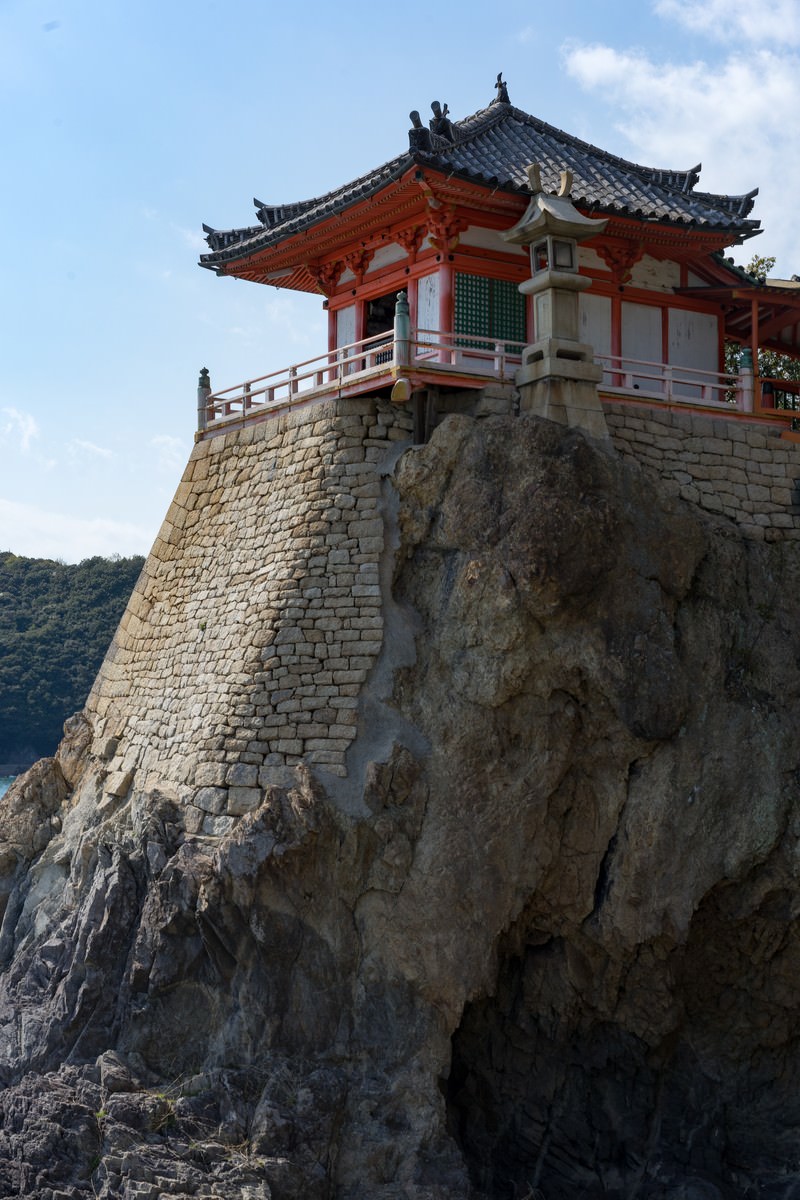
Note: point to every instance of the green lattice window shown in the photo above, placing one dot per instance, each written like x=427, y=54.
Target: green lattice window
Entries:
x=491, y=308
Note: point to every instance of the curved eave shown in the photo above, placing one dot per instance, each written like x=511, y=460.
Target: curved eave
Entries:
x=740, y=229
x=313, y=212
x=500, y=135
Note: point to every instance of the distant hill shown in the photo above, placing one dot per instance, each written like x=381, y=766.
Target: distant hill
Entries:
x=56, y=623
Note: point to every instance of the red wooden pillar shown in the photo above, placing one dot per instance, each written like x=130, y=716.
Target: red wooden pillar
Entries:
x=361, y=320
x=757, y=386
x=412, y=291
x=616, y=339
x=361, y=330
x=331, y=343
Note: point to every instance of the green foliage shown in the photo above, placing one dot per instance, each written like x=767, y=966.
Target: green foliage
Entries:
x=771, y=364
x=56, y=623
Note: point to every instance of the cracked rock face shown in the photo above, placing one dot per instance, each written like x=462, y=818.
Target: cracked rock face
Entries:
x=547, y=946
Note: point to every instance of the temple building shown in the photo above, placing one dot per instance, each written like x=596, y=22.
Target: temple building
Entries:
x=657, y=298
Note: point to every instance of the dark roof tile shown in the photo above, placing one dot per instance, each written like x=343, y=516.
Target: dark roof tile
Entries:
x=493, y=147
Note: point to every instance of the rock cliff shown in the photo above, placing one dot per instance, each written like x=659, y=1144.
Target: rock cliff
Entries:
x=537, y=936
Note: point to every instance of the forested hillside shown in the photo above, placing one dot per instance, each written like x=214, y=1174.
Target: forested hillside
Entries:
x=56, y=623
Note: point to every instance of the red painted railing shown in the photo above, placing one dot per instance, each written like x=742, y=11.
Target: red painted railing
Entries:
x=363, y=365
x=428, y=356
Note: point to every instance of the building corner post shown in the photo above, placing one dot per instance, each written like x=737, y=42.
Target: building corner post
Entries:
x=203, y=393
x=744, y=390
x=402, y=331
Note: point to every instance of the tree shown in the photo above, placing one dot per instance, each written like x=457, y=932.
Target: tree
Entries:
x=56, y=622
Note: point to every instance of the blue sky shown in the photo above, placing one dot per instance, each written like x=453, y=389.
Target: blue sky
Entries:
x=128, y=123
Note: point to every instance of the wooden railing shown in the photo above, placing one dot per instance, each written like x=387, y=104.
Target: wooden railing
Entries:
x=682, y=385
x=782, y=395
x=430, y=356
x=364, y=364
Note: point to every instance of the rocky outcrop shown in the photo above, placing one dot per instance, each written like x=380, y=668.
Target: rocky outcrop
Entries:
x=541, y=940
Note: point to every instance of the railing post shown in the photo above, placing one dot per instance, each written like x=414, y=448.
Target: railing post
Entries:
x=744, y=398
x=246, y=400
x=203, y=392
x=292, y=381
x=667, y=381
x=402, y=331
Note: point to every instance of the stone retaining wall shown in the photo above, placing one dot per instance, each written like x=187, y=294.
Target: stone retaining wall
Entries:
x=257, y=617
x=737, y=469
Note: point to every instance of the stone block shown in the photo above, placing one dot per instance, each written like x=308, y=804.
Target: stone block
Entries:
x=118, y=783
x=217, y=826
x=211, y=799
x=781, y=495
x=288, y=745
x=193, y=818
x=243, y=799
x=241, y=775
x=210, y=774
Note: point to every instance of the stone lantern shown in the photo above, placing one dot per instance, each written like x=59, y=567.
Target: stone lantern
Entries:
x=558, y=377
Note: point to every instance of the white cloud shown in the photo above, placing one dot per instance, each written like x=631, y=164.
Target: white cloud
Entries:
x=192, y=238
x=172, y=453
x=39, y=533
x=20, y=427
x=753, y=21
x=90, y=448
x=732, y=114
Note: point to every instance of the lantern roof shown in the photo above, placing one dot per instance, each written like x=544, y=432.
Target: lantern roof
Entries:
x=492, y=149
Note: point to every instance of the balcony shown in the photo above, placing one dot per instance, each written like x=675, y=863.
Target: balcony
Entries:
x=430, y=358
x=426, y=358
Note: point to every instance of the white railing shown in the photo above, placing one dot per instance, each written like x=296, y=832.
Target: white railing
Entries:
x=300, y=381
x=665, y=381
x=364, y=363
x=467, y=353
x=428, y=353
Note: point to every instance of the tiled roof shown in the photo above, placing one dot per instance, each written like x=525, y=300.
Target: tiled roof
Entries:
x=492, y=148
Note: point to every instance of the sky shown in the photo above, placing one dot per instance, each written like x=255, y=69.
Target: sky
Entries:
x=129, y=123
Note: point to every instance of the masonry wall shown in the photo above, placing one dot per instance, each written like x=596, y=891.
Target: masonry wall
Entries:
x=259, y=614
x=740, y=470
x=257, y=617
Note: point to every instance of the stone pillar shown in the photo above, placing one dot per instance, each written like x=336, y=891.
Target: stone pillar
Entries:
x=558, y=377
x=203, y=392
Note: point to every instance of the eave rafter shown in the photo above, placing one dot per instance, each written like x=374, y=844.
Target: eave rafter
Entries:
x=415, y=206
x=427, y=203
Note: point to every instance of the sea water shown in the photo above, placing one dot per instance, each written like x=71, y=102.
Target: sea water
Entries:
x=5, y=782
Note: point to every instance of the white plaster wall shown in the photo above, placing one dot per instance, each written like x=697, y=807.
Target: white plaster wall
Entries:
x=641, y=339
x=385, y=256
x=594, y=314
x=655, y=275
x=346, y=325
x=490, y=239
x=591, y=259
x=693, y=342
x=428, y=304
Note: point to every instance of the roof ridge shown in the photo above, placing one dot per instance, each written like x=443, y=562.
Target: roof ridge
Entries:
x=492, y=147
x=682, y=180
x=740, y=205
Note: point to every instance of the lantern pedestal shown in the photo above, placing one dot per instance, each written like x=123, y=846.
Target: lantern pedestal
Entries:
x=558, y=378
